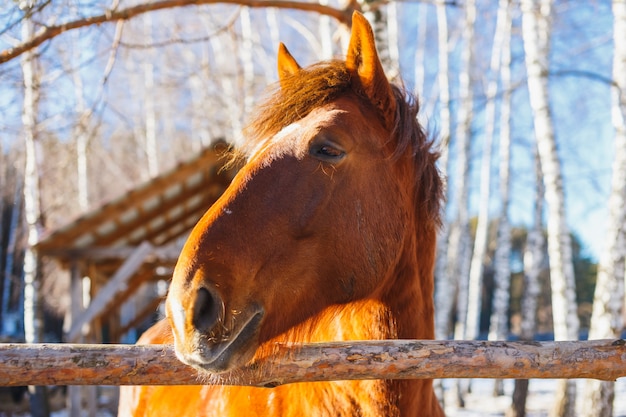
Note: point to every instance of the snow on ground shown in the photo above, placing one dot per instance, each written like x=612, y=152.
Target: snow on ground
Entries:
x=482, y=403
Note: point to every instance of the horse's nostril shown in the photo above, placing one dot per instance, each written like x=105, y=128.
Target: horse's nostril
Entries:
x=206, y=310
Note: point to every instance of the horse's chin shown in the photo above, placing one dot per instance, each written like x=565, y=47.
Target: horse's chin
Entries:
x=215, y=357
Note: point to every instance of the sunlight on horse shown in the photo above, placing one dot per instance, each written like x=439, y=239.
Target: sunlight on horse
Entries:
x=327, y=233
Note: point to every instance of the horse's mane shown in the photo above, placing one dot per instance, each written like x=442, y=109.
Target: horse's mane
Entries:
x=312, y=87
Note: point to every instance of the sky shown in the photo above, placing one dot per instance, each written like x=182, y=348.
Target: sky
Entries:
x=580, y=101
x=580, y=65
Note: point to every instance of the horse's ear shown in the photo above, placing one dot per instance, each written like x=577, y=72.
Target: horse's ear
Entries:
x=287, y=64
x=363, y=61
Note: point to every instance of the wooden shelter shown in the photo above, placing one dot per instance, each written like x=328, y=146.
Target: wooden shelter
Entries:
x=131, y=243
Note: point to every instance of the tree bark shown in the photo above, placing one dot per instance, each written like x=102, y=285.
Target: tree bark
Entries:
x=501, y=68
x=608, y=303
x=65, y=364
x=499, y=326
x=482, y=225
x=459, y=252
x=149, y=94
x=393, y=44
x=33, y=319
x=325, y=34
x=444, y=284
x=533, y=261
x=246, y=59
x=81, y=135
x=536, y=35
x=419, y=73
x=229, y=91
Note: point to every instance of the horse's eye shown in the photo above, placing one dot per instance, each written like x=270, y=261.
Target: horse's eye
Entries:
x=326, y=152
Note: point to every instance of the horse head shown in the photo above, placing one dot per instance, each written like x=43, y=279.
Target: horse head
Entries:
x=329, y=206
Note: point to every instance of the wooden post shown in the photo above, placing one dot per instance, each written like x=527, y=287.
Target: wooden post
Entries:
x=116, y=285
x=74, y=393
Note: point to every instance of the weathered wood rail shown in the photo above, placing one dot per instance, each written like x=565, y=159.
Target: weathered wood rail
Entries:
x=72, y=364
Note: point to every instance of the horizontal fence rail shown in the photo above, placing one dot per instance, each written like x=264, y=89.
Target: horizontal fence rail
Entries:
x=80, y=364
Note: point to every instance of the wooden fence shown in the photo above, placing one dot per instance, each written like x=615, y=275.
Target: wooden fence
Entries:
x=73, y=364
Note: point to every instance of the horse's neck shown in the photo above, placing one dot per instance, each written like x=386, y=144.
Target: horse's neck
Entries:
x=359, y=320
x=402, y=309
x=410, y=295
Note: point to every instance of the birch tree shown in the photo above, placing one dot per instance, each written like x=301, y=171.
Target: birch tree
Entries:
x=533, y=260
x=459, y=249
x=198, y=91
x=149, y=101
x=444, y=282
x=228, y=87
x=536, y=35
x=445, y=285
x=498, y=326
x=326, y=37
x=608, y=303
x=81, y=133
x=419, y=74
x=33, y=320
x=482, y=226
x=246, y=60
x=394, y=39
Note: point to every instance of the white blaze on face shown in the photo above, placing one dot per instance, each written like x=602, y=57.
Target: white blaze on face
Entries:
x=176, y=313
x=293, y=139
x=282, y=143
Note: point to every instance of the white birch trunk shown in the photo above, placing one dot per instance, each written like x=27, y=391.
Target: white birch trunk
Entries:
x=533, y=262
x=80, y=132
x=559, y=241
x=482, y=225
x=32, y=211
x=149, y=101
x=201, y=135
x=33, y=317
x=608, y=303
x=535, y=23
x=229, y=95
x=420, y=50
x=271, y=15
x=393, y=43
x=246, y=59
x=445, y=283
x=459, y=251
x=499, y=326
x=326, y=35
x=443, y=82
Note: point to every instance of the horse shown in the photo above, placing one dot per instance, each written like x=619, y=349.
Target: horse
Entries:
x=326, y=233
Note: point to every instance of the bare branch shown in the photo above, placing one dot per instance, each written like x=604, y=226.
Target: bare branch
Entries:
x=65, y=364
x=49, y=32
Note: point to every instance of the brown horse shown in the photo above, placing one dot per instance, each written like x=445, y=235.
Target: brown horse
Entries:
x=326, y=233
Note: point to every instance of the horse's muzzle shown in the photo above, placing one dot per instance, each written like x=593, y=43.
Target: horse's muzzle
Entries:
x=213, y=339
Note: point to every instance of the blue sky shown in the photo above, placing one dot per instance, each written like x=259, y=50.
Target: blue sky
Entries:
x=581, y=58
